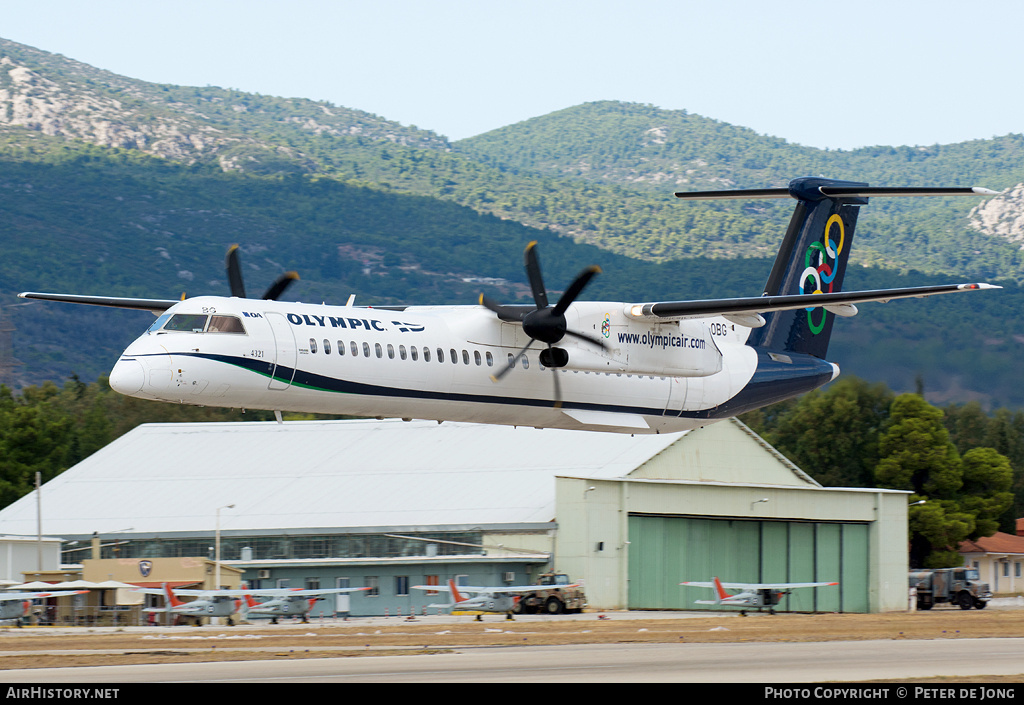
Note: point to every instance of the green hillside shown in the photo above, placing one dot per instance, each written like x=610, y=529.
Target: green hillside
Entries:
x=109, y=185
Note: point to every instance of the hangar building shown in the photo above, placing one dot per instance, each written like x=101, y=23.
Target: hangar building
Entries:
x=392, y=504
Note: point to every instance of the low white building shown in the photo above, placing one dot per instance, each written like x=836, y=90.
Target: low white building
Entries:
x=391, y=504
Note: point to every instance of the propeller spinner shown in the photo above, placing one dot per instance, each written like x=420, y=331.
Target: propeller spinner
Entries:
x=545, y=323
x=234, y=269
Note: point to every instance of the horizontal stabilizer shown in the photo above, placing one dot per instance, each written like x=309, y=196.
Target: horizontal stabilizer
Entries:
x=764, y=304
x=836, y=192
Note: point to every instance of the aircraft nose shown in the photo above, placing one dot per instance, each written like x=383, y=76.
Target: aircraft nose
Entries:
x=127, y=377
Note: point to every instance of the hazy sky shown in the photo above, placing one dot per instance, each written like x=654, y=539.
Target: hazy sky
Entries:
x=838, y=75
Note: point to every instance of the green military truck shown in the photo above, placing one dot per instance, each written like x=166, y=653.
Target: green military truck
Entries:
x=956, y=586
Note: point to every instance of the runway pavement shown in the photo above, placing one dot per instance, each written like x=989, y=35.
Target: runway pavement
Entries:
x=594, y=663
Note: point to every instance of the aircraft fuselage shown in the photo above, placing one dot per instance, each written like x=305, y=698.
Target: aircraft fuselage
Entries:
x=436, y=362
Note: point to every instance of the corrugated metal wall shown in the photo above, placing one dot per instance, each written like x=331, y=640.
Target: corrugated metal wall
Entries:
x=666, y=550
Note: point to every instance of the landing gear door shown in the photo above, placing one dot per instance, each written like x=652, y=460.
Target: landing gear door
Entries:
x=286, y=352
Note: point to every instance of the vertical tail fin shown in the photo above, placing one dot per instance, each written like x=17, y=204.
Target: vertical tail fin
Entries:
x=814, y=252
x=172, y=599
x=456, y=595
x=720, y=593
x=812, y=260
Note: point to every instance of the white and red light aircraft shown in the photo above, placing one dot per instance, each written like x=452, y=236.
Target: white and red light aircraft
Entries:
x=484, y=599
x=604, y=366
x=751, y=594
x=286, y=602
x=15, y=605
x=224, y=603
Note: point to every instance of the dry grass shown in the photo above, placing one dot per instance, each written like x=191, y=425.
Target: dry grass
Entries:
x=181, y=644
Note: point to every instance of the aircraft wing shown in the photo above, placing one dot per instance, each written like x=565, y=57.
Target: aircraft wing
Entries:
x=179, y=593
x=758, y=586
x=17, y=596
x=841, y=303
x=493, y=590
x=156, y=306
x=285, y=592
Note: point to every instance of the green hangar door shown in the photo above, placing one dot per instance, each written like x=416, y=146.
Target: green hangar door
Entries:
x=667, y=550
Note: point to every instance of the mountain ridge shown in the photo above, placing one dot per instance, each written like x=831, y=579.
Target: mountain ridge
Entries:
x=399, y=215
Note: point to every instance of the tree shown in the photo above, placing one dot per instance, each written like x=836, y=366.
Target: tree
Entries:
x=833, y=434
x=964, y=496
x=986, y=494
x=916, y=453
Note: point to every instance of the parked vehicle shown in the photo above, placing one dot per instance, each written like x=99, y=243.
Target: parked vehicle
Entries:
x=960, y=586
x=555, y=594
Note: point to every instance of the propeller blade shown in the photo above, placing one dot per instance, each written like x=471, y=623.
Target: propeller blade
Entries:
x=505, y=313
x=594, y=341
x=570, y=294
x=540, y=294
x=234, y=273
x=512, y=363
x=279, y=285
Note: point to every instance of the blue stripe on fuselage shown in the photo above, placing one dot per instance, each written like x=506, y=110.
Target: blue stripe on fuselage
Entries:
x=773, y=381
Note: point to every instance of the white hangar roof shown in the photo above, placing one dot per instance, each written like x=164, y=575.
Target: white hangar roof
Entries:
x=164, y=478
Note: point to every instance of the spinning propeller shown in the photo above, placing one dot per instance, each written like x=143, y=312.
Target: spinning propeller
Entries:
x=544, y=323
x=238, y=286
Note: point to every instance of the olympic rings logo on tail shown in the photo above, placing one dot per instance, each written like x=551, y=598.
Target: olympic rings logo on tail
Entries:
x=822, y=264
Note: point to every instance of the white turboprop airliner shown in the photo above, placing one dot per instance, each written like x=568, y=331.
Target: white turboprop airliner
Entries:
x=604, y=366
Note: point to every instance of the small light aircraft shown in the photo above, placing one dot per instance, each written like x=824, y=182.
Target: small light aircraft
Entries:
x=208, y=603
x=287, y=603
x=485, y=599
x=605, y=366
x=225, y=603
x=15, y=605
x=751, y=594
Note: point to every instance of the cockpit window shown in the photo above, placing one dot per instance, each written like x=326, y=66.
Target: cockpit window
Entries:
x=225, y=324
x=197, y=323
x=187, y=322
x=159, y=322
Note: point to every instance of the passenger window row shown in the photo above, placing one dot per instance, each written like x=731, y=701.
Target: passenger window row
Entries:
x=411, y=353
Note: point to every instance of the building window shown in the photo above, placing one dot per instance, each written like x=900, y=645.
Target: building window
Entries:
x=436, y=580
x=1006, y=569
x=372, y=582
x=1016, y=569
x=401, y=584
x=312, y=583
